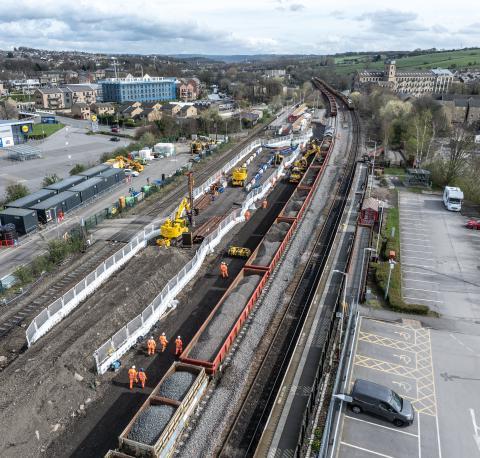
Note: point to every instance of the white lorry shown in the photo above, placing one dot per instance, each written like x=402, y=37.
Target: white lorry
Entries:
x=452, y=198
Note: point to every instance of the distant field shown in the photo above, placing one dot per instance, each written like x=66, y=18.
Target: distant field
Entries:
x=48, y=129
x=447, y=59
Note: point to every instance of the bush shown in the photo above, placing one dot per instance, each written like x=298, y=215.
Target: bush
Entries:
x=15, y=191
x=50, y=179
x=23, y=274
x=77, y=168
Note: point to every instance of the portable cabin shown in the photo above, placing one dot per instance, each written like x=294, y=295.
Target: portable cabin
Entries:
x=31, y=199
x=25, y=220
x=56, y=206
x=66, y=184
x=94, y=171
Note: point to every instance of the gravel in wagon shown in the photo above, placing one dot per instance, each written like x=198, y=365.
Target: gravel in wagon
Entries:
x=294, y=206
x=176, y=385
x=219, y=326
x=150, y=424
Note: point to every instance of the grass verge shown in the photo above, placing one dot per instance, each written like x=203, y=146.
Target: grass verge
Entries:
x=45, y=130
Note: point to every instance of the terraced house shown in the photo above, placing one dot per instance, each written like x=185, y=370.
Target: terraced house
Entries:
x=414, y=83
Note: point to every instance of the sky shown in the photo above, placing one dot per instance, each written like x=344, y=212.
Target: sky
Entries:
x=238, y=27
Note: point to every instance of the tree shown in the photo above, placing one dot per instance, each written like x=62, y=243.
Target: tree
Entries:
x=77, y=168
x=15, y=191
x=50, y=179
x=422, y=134
x=459, y=150
x=8, y=109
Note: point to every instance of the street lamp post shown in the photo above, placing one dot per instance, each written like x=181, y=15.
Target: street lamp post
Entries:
x=344, y=300
x=361, y=272
x=391, y=263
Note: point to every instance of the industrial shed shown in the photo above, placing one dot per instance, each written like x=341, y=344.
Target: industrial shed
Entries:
x=55, y=207
x=94, y=171
x=89, y=188
x=25, y=221
x=66, y=184
x=31, y=199
x=113, y=176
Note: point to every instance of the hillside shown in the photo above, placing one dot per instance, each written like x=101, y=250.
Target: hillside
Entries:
x=446, y=59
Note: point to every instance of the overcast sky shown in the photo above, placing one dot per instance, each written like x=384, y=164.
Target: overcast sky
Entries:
x=238, y=27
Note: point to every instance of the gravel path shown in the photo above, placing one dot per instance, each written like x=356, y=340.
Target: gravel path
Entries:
x=150, y=424
x=223, y=320
x=206, y=437
x=177, y=385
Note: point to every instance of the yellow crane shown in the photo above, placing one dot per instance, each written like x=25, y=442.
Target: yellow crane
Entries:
x=171, y=230
x=239, y=176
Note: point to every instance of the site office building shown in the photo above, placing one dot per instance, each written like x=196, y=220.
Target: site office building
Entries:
x=144, y=89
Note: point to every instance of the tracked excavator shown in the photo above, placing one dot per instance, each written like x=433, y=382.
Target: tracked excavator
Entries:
x=171, y=230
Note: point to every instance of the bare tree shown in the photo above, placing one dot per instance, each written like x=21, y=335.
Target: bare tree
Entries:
x=459, y=151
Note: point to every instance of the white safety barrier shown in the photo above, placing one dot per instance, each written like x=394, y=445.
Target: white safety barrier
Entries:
x=59, y=309
x=115, y=347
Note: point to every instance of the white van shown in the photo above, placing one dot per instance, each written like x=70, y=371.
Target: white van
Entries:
x=452, y=198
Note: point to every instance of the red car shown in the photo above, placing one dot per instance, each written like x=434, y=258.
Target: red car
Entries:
x=472, y=224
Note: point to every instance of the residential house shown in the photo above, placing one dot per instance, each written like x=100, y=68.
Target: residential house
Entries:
x=151, y=114
x=102, y=109
x=153, y=105
x=249, y=118
x=82, y=93
x=187, y=111
x=171, y=109
x=131, y=111
x=52, y=98
x=188, y=90
x=81, y=110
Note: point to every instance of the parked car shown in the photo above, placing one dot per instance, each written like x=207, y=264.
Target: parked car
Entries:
x=378, y=400
x=114, y=139
x=115, y=130
x=472, y=224
x=131, y=173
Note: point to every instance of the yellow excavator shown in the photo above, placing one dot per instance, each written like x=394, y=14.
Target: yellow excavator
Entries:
x=295, y=175
x=239, y=176
x=171, y=231
x=301, y=164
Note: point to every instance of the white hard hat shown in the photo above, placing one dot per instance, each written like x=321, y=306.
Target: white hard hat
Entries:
x=151, y=337
x=133, y=367
x=178, y=337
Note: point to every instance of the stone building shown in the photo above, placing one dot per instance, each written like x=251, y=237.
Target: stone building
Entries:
x=461, y=109
x=415, y=83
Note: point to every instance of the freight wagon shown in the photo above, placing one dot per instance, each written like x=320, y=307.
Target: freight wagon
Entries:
x=66, y=184
x=25, y=220
x=56, y=206
x=155, y=428
x=31, y=199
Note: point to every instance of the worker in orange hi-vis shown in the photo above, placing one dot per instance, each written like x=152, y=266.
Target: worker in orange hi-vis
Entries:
x=132, y=376
x=142, y=377
x=264, y=203
x=178, y=346
x=151, y=346
x=224, y=270
x=163, y=341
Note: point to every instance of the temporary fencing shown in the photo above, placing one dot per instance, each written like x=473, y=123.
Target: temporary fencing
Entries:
x=115, y=347
x=121, y=342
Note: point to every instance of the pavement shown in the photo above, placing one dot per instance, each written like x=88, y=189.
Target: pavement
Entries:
x=437, y=370
x=440, y=257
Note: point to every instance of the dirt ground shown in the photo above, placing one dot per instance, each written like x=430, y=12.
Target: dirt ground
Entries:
x=55, y=381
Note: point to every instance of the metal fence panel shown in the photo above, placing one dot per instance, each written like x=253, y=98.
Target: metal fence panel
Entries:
x=68, y=296
x=80, y=287
x=118, y=256
x=109, y=262
x=105, y=350
x=100, y=269
x=55, y=307
x=147, y=313
x=134, y=324
x=119, y=338
x=90, y=278
x=42, y=318
x=30, y=332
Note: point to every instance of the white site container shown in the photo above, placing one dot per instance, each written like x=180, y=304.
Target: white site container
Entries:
x=166, y=149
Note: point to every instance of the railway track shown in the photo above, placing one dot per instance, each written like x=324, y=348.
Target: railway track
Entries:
x=28, y=306
x=253, y=414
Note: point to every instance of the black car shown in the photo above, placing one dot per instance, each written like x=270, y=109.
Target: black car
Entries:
x=114, y=139
x=381, y=401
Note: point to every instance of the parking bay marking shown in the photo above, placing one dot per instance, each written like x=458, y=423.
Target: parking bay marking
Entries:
x=476, y=436
x=380, y=426
x=420, y=299
x=424, y=290
x=365, y=450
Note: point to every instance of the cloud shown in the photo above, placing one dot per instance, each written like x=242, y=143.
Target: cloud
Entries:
x=392, y=22
x=296, y=7
x=286, y=5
